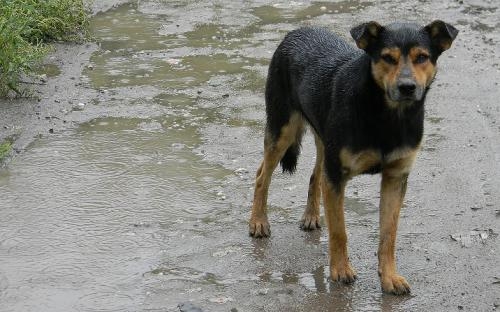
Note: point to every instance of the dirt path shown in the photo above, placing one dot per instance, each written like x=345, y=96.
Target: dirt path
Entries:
x=132, y=182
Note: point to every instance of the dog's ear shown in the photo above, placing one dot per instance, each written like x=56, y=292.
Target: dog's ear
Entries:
x=441, y=34
x=366, y=34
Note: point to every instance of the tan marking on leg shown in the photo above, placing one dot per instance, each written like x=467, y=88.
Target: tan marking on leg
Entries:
x=357, y=163
x=333, y=199
x=273, y=152
x=392, y=192
x=311, y=217
x=423, y=72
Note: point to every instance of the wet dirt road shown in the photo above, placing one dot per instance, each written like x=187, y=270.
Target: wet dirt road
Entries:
x=138, y=198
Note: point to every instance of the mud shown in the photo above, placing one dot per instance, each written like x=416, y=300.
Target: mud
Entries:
x=132, y=177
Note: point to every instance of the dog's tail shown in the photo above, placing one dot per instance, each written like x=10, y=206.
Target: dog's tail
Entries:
x=289, y=161
x=280, y=109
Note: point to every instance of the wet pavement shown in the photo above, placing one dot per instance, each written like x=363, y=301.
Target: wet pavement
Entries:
x=138, y=198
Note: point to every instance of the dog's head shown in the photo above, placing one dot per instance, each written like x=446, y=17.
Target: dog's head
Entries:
x=404, y=56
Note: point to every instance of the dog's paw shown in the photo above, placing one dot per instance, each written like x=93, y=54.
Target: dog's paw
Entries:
x=394, y=284
x=310, y=222
x=344, y=274
x=259, y=228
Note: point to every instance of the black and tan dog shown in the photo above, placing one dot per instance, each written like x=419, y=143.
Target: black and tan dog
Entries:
x=366, y=109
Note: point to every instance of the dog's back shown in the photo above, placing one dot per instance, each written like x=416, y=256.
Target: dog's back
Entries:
x=302, y=71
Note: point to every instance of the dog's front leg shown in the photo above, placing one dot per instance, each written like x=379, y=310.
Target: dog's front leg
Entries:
x=333, y=198
x=392, y=193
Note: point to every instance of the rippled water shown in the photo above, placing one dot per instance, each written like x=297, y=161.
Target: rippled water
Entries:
x=72, y=206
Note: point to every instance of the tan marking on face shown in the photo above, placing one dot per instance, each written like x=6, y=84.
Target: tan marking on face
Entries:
x=357, y=163
x=445, y=45
x=422, y=72
x=373, y=29
x=362, y=43
x=434, y=30
x=386, y=74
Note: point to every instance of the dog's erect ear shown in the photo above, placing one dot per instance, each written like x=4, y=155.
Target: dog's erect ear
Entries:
x=441, y=34
x=366, y=34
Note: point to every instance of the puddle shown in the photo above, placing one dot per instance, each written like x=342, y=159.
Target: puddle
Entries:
x=478, y=10
x=296, y=12
x=360, y=207
x=72, y=201
x=434, y=119
x=324, y=7
x=143, y=49
x=125, y=29
x=51, y=70
x=137, y=50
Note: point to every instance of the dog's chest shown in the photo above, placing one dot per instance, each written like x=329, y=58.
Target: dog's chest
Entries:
x=398, y=161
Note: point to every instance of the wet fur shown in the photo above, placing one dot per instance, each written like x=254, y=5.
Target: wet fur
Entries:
x=351, y=99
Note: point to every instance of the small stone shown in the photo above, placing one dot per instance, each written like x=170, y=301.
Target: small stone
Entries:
x=221, y=300
x=80, y=106
x=188, y=307
x=173, y=61
x=241, y=171
x=221, y=195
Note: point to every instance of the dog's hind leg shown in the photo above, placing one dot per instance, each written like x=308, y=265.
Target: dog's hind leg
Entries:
x=274, y=150
x=311, y=216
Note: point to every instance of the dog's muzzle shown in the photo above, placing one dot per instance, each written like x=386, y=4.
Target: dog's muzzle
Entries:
x=406, y=90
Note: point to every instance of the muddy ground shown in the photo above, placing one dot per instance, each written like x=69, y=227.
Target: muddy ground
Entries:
x=131, y=181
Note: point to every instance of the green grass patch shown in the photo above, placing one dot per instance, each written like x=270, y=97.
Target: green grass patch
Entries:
x=27, y=26
x=5, y=149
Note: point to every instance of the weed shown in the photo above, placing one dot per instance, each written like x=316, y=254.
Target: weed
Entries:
x=27, y=26
x=5, y=149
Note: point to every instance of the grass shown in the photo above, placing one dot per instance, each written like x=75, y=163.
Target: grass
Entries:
x=5, y=149
x=26, y=29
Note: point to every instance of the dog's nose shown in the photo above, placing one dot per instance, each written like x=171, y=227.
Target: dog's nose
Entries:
x=407, y=87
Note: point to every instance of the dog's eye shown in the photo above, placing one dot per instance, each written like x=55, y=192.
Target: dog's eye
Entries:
x=421, y=58
x=389, y=59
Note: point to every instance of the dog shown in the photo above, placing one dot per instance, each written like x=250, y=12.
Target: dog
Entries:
x=365, y=107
